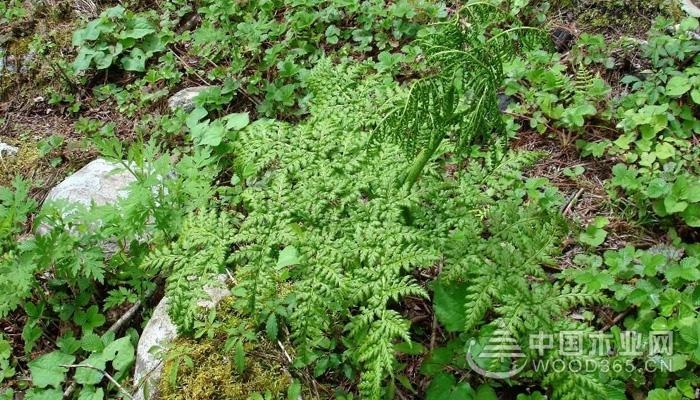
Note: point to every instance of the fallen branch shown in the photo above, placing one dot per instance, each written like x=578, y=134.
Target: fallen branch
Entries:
x=114, y=328
x=103, y=372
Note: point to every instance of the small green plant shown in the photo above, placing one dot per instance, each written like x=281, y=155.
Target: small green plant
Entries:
x=193, y=262
x=269, y=47
x=595, y=235
x=552, y=100
x=11, y=11
x=657, y=119
x=118, y=36
x=658, y=286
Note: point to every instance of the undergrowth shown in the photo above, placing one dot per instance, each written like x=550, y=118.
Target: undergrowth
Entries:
x=381, y=237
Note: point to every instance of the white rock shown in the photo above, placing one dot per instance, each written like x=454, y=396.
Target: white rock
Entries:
x=101, y=181
x=6, y=149
x=158, y=333
x=184, y=99
x=691, y=7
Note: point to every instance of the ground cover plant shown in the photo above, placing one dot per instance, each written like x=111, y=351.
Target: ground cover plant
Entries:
x=409, y=199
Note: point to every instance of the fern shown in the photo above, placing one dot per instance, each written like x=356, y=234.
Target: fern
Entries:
x=501, y=271
x=358, y=240
x=460, y=99
x=192, y=262
x=582, y=83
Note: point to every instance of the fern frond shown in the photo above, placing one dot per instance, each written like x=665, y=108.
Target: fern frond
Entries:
x=192, y=263
x=460, y=99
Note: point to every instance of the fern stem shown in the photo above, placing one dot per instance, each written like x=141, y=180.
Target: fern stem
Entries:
x=423, y=157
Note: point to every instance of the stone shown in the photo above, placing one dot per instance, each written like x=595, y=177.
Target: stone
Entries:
x=100, y=181
x=158, y=333
x=184, y=99
x=7, y=150
x=691, y=7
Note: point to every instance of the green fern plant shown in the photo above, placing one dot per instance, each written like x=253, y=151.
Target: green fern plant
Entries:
x=192, y=263
x=459, y=98
x=330, y=246
x=497, y=276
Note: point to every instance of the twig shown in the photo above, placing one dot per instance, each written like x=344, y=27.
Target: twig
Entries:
x=289, y=359
x=187, y=65
x=571, y=202
x=125, y=318
x=433, y=333
x=617, y=319
x=114, y=328
x=103, y=372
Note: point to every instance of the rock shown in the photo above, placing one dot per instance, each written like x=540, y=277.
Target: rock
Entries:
x=158, y=333
x=184, y=99
x=7, y=150
x=504, y=101
x=100, y=181
x=563, y=39
x=691, y=7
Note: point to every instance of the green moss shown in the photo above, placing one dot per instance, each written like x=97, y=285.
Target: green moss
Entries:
x=25, y=162
x=626, y=17
x=214, y=376
x=19, y=47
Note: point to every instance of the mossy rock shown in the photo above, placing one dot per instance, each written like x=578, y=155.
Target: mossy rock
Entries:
x=213, y=375
x=25, y=162
x=623, y=17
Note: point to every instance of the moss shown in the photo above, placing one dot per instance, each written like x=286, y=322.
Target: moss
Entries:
x=25, y=162
x=214, y=375
x=624, y=16
x=19, y=47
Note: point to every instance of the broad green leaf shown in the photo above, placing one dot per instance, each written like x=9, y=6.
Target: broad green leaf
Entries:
x=139, y=28
x=695, y=95
x=444, y=386
x=212, y=135
x=658, y=187
x=83, y=60
x=47, y=371
x=677, y=86
x=674, y=205
x=237, y=121
x=664, y=151
x=44, y=394
x=624, y=177
x=594, y=279
x=195, y=116
x=91, y=393
x=448, y=303
x=594, y=235
x=90, y=376
x=91, y=342
x=135, y=61
x=90, y=318
x=103, y=60
x=288, y=256
x=691, y=215
x=486, y=392
x=120, y=352
x=114, y=12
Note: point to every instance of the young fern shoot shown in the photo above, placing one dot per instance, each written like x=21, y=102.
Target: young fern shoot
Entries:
x=459, y=99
